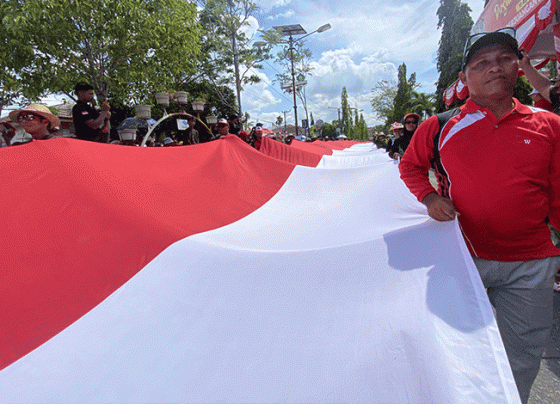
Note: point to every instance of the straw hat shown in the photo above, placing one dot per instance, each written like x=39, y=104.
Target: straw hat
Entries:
x=37, y=109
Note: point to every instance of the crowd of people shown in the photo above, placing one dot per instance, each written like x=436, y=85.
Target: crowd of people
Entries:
x=36, y=122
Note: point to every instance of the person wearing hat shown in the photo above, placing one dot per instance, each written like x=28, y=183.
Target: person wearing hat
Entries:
x=37, y=120
x=400, y=144
x=169, y=142
x=222, y=126
x=89, y=124
x=236, y=127
x=393, y=144
x=255, y=137
x=410, y=123
x=500, y=179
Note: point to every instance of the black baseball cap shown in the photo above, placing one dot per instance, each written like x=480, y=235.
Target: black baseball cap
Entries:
x=83, y=86
x=504, y=36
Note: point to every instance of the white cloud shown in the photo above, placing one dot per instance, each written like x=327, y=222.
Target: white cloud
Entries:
x=258, y=96
x=251, y=28
x=287, y=14
x=268, y=5
x=369, y=39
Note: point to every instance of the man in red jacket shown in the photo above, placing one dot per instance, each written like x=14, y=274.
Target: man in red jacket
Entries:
x=500, y=174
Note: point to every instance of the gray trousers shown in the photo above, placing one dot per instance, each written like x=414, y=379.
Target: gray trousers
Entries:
x=521, y=294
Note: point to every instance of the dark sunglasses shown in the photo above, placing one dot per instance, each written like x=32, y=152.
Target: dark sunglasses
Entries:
x=409, y=122
x=475, y=37
x=28, y=117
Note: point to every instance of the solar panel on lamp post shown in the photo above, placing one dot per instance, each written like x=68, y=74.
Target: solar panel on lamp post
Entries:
x=290, y=31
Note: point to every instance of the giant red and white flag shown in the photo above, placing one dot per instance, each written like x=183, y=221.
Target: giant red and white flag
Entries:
x=219, y=273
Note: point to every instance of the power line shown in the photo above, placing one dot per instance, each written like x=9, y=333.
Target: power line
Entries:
x=269, y=84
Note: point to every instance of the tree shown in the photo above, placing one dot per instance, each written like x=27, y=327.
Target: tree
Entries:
x=9, y=89
x=346, y=113
x=356, y=129
x=455, y=22
x=227, y=54
x=299, y=56
x=328, y=130
x=552, y=70
x=522, y=91
x=16, y=56
x=124, y=48
x=279, y=121
x=422, y=104
x=361, y=132
x=382, y=100
x=403, y=97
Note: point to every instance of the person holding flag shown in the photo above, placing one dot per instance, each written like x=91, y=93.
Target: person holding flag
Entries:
x=498, y=168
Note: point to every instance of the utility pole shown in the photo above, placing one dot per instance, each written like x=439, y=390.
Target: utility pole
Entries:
x=285, y=129
x=289, y=31
x=339, y=120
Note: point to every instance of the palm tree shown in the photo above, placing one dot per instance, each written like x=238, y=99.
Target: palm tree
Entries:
x=423, y=104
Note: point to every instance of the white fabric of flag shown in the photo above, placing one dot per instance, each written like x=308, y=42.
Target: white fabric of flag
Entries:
x=338, y=289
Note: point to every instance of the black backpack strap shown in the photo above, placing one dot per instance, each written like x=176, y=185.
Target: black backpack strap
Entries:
x=440, y=173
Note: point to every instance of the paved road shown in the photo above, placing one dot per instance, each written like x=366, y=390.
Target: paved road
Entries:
x=546, y=389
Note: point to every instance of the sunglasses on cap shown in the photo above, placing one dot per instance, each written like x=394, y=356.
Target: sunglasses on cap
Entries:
x=473, y=39
x=28, y=117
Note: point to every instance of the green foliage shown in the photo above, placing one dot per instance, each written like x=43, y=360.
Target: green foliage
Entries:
x=361, y=129
x=227, y=56
x=455, y=22
x=423, y=104
x=300, y=54
x=382, y=100
x=124, y=48
x=391, y=102
x=16, y=54
x=552, y=70
x=403, y=98
x=346, y=114
x=381, y=128
x=522, y=91
x=298, y=57
x=328, y=130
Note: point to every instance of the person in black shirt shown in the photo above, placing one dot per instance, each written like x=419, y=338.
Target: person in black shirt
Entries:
x=89, y=124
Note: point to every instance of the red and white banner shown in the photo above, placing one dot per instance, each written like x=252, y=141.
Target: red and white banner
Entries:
x=529, y=17
x=455, y=91
x=533, y=20
x=217, y=273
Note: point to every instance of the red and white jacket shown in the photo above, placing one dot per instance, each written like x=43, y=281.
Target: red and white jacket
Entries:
x=503, y=177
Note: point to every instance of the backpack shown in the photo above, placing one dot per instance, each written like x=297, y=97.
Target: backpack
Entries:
x=435, y=162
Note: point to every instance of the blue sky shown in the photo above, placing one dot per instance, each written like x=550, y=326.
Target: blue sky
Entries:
x=368, y=40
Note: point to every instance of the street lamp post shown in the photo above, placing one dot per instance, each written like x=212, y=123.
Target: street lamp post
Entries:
x=290, y=31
